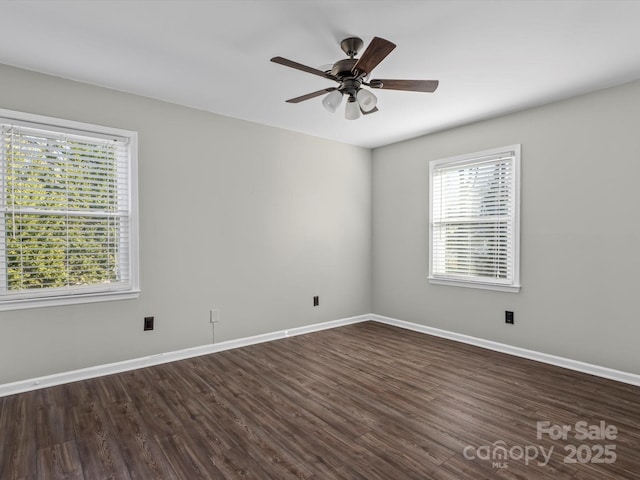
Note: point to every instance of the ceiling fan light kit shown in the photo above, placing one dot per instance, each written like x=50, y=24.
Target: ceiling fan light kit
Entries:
x=332, y=101
x=352, y=109
x=366, y=100
x=352, y=73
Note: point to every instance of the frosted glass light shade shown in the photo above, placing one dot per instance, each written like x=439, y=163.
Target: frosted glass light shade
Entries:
x=366, y=99
x=332, y=101
x=352, y=110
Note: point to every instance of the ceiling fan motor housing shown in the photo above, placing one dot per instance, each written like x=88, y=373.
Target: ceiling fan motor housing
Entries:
x=343, y=68
x=343, y=71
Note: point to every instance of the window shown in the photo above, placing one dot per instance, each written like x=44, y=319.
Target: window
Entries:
x=68, y=213
x=474, y=220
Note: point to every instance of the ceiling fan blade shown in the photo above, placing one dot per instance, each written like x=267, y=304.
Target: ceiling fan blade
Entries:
x=377, y=50
x=304, y=68
x=309, y=96
x=428, y=86
x=373, y=110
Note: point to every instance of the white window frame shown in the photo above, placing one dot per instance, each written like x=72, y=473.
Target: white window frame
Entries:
x=132, y=290
x=513, y=284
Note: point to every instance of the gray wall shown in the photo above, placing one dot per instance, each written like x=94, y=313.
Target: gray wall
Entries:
x=250, y=219
x=256, y=220
x=580, y=231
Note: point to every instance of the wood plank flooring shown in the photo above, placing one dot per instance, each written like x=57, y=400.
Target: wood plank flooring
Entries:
x=366, y=401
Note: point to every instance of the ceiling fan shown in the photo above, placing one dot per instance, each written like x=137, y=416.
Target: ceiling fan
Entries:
x=352, y=74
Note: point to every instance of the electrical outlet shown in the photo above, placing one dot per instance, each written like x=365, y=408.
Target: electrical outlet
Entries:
x=508, y=317
x=316, y=301
x=148, y=323
x=214, y=315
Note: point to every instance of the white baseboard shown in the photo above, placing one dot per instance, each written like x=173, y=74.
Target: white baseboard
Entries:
x=135, y=363
x=618, y=375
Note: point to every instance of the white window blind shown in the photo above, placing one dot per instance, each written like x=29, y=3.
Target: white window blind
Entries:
x=65, y=213
x=474, y=219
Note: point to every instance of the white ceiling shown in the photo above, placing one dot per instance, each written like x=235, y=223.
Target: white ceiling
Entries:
x=490, y=56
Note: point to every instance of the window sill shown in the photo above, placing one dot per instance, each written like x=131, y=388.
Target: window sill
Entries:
x=480, y=285
x=67, y=300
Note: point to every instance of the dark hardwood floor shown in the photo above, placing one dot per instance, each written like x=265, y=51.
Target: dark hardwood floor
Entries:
x=366, y=401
